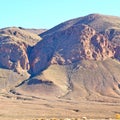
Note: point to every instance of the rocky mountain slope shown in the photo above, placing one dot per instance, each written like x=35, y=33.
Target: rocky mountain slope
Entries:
x=78, y=59
x=15, y=46
x=79, y=42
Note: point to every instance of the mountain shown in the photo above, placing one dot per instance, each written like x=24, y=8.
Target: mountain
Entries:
x=15, y=45
x=77, y=43
x=21, y=34
x=77, y=60
x=97, y=21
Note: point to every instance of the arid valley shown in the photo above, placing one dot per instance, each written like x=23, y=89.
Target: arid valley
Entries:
x=70, y=71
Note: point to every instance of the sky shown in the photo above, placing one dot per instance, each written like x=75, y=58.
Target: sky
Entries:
x=49, y=13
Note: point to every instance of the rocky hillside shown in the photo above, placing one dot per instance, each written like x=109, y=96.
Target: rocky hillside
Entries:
x=78, y=59
x=21, y=34
x=15, y=46
x=79, y=42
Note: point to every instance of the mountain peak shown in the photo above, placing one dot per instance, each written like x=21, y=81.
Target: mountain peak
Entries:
x=97, y=21
x=75, y=59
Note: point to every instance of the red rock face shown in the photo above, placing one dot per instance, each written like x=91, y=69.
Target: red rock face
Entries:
x=101, y=47
x=79, y=42
x=74, y=44
x=15, y=46
x=114, y=37
x=13, y=55
x=64, y=44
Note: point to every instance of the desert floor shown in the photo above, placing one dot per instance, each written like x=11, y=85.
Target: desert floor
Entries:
x=14, y=107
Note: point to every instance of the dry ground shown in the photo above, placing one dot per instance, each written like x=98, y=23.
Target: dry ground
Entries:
x=15, y=107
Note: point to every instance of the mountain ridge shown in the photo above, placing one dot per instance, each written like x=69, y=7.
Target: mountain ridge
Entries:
x=69, y=71
x=82, y=20
x=59, y=60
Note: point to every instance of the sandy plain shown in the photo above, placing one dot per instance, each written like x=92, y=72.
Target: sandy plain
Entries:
x=15, y=107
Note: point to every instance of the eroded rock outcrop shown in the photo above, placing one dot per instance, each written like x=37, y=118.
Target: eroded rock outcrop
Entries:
x=13, y=55
x=15, y=46
x=79, y=42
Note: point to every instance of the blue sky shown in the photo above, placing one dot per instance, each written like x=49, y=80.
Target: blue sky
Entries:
x=48, y=13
